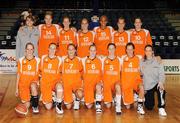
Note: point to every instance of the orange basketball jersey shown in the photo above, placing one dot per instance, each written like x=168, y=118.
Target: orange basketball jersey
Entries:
x=84, y=40
x=102, y=38
x=47, y=35
x=28, y=70
x=65, y=38
x=120, y=39
x=111, y=70
x=140, y=39
x=50, y=69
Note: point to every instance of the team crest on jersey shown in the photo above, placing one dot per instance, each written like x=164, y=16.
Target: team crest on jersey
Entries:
x=116, y=34
x=107, y=62
x=24, y=62
x=88, y=61
x=62, y=32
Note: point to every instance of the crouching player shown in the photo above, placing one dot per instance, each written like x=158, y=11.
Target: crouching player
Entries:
x=50, y=79
x=92, y=74
x=27, y=78
x=71, y=77
x=131, y=80
x=111, y=79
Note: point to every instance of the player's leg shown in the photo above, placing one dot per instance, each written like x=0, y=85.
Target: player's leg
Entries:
x=141, y=99
x=24, y=94
x=149, y=99
x=98, y=97
x=59, y=98
x=107, y=93
x=78, y=96
x=118, y=98
x=161, y=101
x=34, y=97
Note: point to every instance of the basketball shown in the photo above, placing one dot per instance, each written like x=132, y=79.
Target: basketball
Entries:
x=21, y=110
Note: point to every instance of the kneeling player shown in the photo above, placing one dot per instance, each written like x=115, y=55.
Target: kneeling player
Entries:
x=50, y=79
x=27, y=78
x=92, y=73
x=71, y=77
x=131, y=81
x=111, y=78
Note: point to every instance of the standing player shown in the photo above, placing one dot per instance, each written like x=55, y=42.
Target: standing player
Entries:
x=27, y=78
x=153, y=79
x=103, y=36
x=48, y=34
x=140, y=37
x=92, y=74
x=121, y=37
x=66, y=36
x=131, y=80
x=71, y=77
x=111, y=78
x=85, y=38
x=50, y=79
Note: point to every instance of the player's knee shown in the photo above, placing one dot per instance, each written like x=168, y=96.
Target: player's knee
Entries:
x=34, y=89
x=59, y=87
x=89, y=106
x=98, y=88
x=79, y=93
x=118, y=88
x=48, y=106
x=108, y=105
x=68, y=106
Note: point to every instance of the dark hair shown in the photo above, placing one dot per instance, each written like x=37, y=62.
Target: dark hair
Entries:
x=137, y=18
x=104, y=16
x=122, y=18
x=92, y=45
x=49, y=13
x=52, y=44
x=29, y=43
x=71, y=44
x=110, y=45
x=67, y=18
x=32, y=18
x=148, y=45
x=130, y=44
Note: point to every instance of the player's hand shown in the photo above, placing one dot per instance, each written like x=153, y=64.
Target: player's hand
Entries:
x=17, y=93
x=160, y=86
x=158, y=58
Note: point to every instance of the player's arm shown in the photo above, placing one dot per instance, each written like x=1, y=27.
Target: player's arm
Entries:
x=17, y=80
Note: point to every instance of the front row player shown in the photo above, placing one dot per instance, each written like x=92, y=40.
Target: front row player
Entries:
x=153, y=79
x=27, y=78
x=131, y=80
x=50, y=79
x=92, y=76
x=71, y=77
x=111, y=78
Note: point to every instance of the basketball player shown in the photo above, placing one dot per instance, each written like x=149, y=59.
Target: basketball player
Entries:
x=51, y=79
x=48, y=34
x=103, y=36
x=131, y=81
x=67, y=36
x=72, y=78
x=121, y=37
x=85, y=38
x=111, y=79
x=92, y=76
x=27, y=78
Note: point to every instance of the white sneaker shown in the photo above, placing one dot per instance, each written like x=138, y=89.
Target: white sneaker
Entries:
x=98, y=108
x=140, y=109
x=76, y=105
x=162, y=112
x=35, y=110
x=59, y=109
x=118, y=110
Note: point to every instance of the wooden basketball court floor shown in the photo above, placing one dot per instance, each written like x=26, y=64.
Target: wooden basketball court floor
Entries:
x=8, y=102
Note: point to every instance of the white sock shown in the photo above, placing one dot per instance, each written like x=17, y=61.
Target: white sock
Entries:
x=118, y=100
